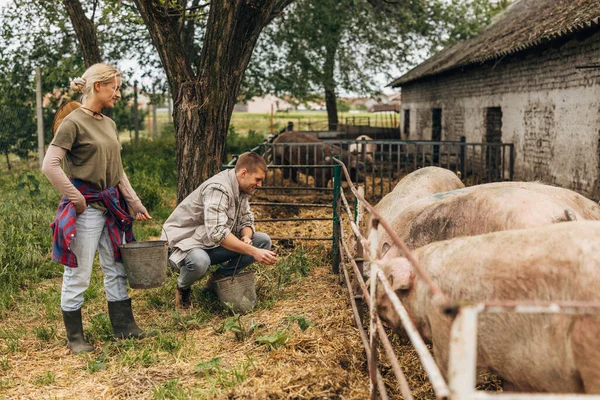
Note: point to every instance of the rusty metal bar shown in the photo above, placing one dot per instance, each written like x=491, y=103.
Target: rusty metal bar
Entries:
x=433, y=372
x=361, y=330
x=303, y=238
x=438, y=295
x=293, y=219
x=324, y=189
x=396, y=368
x=266, y=203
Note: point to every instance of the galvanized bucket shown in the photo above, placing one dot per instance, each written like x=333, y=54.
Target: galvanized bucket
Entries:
x=145, y=263
x=239, y=290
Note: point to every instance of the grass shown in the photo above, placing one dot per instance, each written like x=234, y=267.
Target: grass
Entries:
x=258, y=352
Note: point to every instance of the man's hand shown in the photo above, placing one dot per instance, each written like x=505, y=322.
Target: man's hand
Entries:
x=246, y=240
x=264, y=256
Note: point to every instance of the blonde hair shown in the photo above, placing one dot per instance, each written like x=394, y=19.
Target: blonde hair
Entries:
x=102, y=73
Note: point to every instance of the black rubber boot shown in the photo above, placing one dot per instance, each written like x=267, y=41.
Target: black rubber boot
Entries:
x=121, y=319
x=75, y=340
x=182, y=298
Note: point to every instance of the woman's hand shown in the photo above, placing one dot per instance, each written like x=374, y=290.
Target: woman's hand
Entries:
x=80, y=205
x=140, y=212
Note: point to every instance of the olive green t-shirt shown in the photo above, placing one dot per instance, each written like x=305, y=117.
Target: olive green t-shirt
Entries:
x=93, y=150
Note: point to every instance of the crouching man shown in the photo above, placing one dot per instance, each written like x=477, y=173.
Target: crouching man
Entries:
x=214, y=225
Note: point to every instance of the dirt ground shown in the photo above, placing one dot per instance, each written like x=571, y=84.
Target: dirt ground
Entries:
x=300, y=342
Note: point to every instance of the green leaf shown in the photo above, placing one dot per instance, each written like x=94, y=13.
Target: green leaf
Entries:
x=303, y=323
x=209, y=365
x=278, y=339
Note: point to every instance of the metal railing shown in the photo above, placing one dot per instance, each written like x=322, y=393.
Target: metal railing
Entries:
x=379, y=164
x=335, y=171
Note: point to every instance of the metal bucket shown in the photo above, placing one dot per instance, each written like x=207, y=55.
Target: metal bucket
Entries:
x=239, y=290
x=146, y=263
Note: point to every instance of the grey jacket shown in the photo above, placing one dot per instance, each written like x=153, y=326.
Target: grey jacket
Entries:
x=207, y=215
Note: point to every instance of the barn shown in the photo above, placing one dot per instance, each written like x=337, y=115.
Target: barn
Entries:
x=532, y=78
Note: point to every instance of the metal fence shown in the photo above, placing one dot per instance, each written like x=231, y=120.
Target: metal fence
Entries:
x=462, y=375
x=379, y=164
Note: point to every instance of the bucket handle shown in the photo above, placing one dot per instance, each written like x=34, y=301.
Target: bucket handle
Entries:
x=161, y=227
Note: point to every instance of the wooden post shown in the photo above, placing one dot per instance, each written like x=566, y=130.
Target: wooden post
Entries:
x=136, y=116
x=154, y=120
x=271, y=132
x=40, y=114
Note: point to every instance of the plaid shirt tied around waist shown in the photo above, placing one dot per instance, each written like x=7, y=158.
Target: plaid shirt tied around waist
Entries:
x=118, y=220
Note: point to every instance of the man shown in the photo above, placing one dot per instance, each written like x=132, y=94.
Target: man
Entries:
x=214, y=225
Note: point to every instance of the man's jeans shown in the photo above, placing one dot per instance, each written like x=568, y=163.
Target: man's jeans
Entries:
x=198, y=261
x=92, y=235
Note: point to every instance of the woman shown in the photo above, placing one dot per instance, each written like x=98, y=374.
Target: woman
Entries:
x=93, y=211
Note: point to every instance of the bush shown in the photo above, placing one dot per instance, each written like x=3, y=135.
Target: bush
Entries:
x=28, y=207
x=237, y=144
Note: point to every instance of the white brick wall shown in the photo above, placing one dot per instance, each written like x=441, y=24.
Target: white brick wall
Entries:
x=550, y=110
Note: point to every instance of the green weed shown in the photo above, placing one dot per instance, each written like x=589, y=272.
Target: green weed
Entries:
x=278, y=339
x=303, y=323
x=48, y=378
x=209, y=366
x=241, y=328
x=44, y=333
x=169, y=343
x=4, y=364
x=13, y=338
x=100, y=328
x=170, y=390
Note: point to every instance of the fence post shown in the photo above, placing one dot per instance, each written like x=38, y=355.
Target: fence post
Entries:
x=511, y=173
x=358, y=219
x=136, y=116
x=40, y=114
x=463, y=157
x=154, y=120
x=337, y=185
x=462, y=370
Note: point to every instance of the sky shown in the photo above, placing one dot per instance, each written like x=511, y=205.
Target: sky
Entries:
x=130, y=63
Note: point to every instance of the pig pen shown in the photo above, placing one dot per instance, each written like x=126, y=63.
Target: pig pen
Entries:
x=462, y=376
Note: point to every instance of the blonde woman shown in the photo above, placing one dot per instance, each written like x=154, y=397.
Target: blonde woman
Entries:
x=93, y=212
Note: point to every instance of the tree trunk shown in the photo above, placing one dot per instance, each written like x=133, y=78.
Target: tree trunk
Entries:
x=86, y=32
x=329, y=85
x=203, y=104
x=8, y=161
x=331, y=104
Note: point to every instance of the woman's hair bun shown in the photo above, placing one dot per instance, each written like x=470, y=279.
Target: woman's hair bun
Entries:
x=78, y=85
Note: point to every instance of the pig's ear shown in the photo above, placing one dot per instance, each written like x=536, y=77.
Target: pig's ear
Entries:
x=399, y=272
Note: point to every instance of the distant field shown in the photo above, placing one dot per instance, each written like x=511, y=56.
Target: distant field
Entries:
x=261, y=123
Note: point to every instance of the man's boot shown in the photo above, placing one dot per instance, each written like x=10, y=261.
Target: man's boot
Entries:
x=75, y=340
x=182, y=298
x=121, y=319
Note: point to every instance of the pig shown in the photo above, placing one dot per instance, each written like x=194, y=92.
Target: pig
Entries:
x=414, y=186
x=482, y=209
x=318, y=154
x=370, y=149
x=530, y=352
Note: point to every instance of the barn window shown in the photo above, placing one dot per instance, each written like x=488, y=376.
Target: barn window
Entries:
x=406, y=123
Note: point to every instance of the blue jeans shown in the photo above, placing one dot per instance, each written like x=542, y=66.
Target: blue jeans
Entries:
x=92, y=235
x=197, y=262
